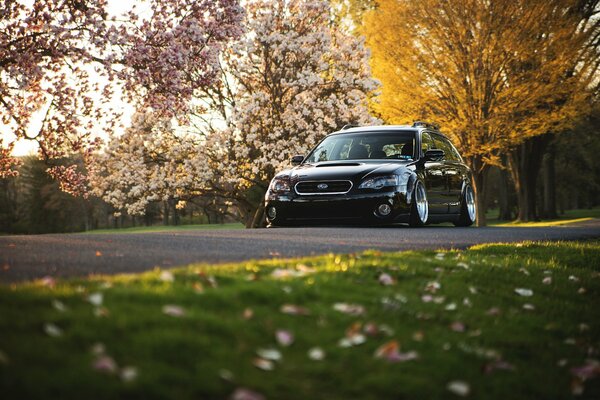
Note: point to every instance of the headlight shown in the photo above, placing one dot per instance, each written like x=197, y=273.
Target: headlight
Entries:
x=383, y=181
x=280, y=184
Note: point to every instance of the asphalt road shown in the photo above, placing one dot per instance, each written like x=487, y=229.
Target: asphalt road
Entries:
x=29, y=257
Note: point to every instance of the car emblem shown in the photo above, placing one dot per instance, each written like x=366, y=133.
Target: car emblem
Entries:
x=322, y=186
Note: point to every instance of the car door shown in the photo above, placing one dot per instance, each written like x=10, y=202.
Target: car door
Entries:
x=453, y=172
x=435, y=181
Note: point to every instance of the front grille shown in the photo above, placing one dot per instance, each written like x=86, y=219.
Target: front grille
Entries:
x=323, y=187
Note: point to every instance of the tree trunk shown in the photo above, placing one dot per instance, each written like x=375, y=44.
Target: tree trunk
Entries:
x=480, y=196
x=524, y=163
x=480, y=171
x=505, y=201
x=165, y=213
x=259, y=216
x=549, y=179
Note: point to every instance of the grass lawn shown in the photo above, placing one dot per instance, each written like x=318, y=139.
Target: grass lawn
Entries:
x=569, y=217
x=170, y=228
x=493, y=322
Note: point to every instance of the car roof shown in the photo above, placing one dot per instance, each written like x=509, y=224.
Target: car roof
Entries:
x=383, y=128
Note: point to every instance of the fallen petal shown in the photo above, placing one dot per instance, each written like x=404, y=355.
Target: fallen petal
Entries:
x=59, y=305
x=547, y=280
x=351, y=309
x=316, y=353
x=246, y=394
x=265, y=365
x=386, y=280
x=96, y=299
x=248, y=313
x=105, y=364
x=52, y=330
x=166, y=276
x=269, y=354
x=524, y=292
x=458, y=326
x=292, y=309
x=528, y=307
x=284, y=338
x=459, y=388
x=173, y=311
x=129, y=374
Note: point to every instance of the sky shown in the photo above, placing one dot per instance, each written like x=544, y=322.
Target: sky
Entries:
x=27, y=147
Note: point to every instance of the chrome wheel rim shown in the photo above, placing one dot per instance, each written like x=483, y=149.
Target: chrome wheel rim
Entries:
x=471, y=207
x=422, y=206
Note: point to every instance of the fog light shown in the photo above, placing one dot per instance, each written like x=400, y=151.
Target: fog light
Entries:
x=384, y=210
x=272, y=212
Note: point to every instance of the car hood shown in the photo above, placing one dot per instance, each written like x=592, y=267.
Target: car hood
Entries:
x=336, y=170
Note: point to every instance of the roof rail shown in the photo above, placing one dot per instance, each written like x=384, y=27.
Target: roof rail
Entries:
x=419, y=124
x=348, y=126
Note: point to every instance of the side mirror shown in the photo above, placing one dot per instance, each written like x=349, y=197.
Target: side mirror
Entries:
x=434, y=155
x=297, y=160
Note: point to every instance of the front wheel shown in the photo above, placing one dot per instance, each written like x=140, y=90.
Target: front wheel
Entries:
x=419, y=210
x=468, y=208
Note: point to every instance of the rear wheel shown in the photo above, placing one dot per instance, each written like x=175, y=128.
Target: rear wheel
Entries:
x=419, y=210
x=468, y=208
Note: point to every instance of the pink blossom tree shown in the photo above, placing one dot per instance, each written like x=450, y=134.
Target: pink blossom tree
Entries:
x=62, y=63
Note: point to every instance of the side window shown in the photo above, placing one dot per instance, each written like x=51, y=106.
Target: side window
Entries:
x=426, y=142
x=449, y=150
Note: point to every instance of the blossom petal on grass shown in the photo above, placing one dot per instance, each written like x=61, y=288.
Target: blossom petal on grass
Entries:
x=459, y=388
x=128, y=374
x=528, y=307
x=105, y=364
x=284, y=338
x=173, y=310
x=248, y=313
x=265, y=365
x=524, y=292
x=316, y=354
x=547, y=280
x=52, y=330
x=463, y=265
x=48, y=281
x=246, y=394
x=350, y=309
x=59, y=306
x=386, y=280
x=292, y=309
x=96, y=299
x=390, y=351
x=433, y=286
x=457, y=326
x=269, y=354
x=166, y=276
x=98, y=349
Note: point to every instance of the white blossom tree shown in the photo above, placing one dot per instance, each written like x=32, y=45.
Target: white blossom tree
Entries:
x=293, y=78
x=150, y=162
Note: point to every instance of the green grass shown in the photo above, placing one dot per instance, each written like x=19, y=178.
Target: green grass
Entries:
x=170, y=228
x=209, y=352
x=569, y=217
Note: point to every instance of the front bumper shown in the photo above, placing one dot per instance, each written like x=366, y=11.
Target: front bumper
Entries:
x=346, y=208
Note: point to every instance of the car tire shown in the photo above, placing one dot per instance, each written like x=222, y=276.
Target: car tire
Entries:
x=468, y=208
x=419, y=209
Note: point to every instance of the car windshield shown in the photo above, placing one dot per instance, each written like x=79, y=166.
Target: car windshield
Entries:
x=398, y=145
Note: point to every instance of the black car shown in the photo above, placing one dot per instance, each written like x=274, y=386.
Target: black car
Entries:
x=375, y=175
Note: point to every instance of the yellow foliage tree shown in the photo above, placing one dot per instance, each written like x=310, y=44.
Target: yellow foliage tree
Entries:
x=492, y=73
